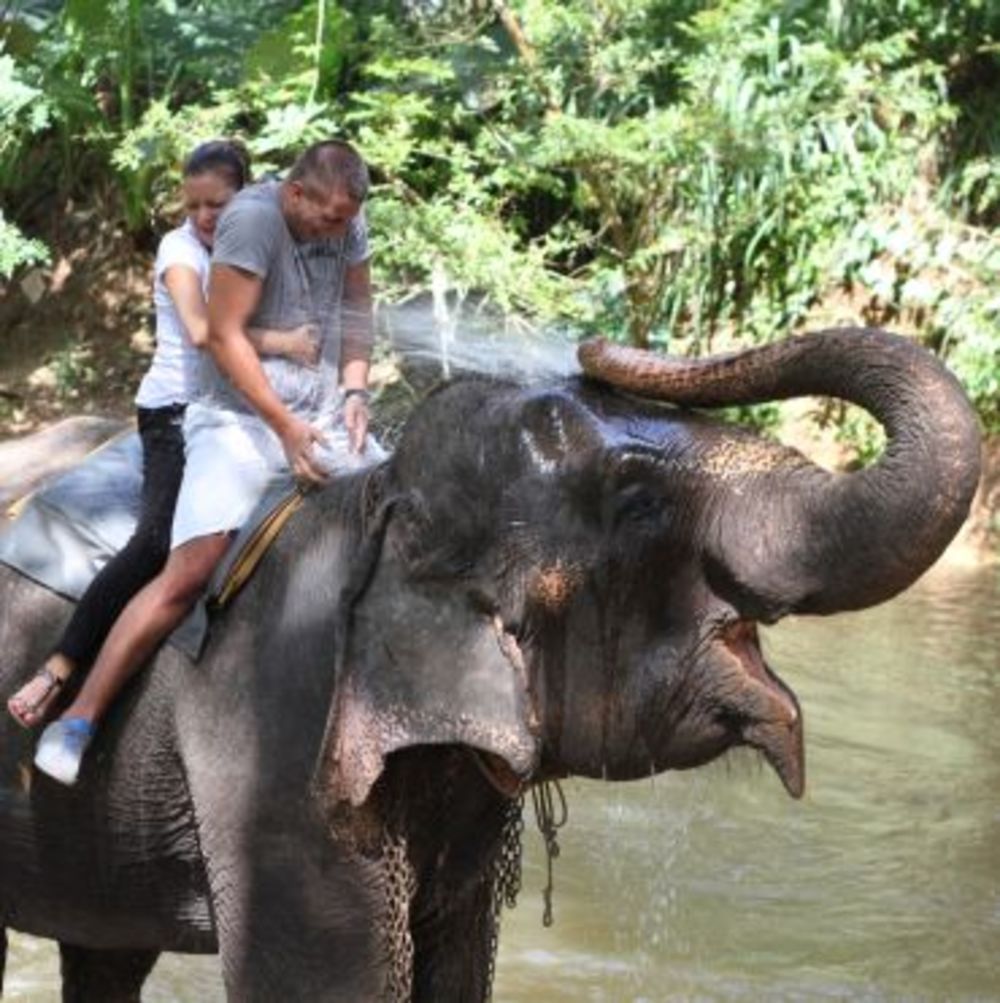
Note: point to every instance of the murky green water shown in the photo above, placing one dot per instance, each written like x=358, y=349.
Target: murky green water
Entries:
x=882, y=884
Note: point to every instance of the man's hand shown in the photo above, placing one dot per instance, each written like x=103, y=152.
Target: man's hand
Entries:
x=297, y=439
x=356, y=421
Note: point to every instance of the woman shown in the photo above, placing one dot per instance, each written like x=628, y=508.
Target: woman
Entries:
x=212, y=174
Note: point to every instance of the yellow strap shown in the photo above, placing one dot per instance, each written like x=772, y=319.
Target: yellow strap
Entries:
x=15, y=508
x=262, y=538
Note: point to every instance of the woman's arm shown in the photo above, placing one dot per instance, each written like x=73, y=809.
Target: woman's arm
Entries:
x=300, y=344
x=184, y=286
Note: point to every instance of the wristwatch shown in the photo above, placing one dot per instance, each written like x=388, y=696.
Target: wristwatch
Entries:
x=357, y=392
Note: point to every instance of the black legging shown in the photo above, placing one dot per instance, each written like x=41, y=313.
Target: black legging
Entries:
x=140, y=560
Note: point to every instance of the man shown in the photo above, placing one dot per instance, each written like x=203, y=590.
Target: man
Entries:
x=286, y=253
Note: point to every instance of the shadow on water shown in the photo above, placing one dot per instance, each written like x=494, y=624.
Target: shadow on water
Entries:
x=882, y=884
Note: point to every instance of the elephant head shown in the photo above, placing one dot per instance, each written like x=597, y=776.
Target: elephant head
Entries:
x=569, y=578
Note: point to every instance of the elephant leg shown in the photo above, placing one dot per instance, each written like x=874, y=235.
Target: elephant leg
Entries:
x=112, y=976
x=296, y=920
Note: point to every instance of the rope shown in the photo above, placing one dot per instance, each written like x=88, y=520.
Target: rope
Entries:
x=550, y=821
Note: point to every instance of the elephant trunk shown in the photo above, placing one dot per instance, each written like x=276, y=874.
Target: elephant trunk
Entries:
x=803, y=539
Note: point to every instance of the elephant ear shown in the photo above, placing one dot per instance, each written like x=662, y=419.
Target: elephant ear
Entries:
x=421, y=662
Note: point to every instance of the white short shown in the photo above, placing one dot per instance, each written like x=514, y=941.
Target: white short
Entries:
x=231, y=460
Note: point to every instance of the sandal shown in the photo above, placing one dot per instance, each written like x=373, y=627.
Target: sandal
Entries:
x=46, y=684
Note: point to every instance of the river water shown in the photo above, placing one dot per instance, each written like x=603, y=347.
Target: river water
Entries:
x=882, y=885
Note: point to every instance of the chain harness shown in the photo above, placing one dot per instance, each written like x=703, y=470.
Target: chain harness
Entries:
x=399, y=884
x=506, y=880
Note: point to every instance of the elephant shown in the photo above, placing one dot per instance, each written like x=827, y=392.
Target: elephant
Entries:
x=545, y=579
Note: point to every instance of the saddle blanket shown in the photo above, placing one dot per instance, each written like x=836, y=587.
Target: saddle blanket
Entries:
x=68, y=529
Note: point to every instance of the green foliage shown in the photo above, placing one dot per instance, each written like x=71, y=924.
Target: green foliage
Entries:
x=96, y=69
x=859, y=432
x=718, y=206
x=974, y=188
x=23, y=109
x=73, y=370
x=765, y=418
x=24, y=113
x=148, y=157
x=919, y=268
x=424, y=244
x=16, y=249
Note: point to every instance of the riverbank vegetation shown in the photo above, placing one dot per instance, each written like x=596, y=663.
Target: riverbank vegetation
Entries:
x=681, y=174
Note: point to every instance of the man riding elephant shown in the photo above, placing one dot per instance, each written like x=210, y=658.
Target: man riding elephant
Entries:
x=286, y=253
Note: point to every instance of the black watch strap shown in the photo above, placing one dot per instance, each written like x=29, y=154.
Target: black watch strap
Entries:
x=357, y=392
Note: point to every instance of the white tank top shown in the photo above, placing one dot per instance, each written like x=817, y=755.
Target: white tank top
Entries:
x=174, y=375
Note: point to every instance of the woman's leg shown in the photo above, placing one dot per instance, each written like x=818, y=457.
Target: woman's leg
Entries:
x=122, y=577
x=226, y=473
x=144, y=623
x=147, y=550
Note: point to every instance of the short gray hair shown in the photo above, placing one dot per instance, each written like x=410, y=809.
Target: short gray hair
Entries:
x=330, y=163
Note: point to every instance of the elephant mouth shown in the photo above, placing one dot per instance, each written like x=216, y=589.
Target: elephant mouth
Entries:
x=783, y=748
x=498, y=773
x=769, y=716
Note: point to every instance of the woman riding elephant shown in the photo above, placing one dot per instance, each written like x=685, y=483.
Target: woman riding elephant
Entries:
x=212, y=174
x=288, y=252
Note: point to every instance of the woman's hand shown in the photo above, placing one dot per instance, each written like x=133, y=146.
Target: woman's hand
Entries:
x=297, y=344
x=301, y=344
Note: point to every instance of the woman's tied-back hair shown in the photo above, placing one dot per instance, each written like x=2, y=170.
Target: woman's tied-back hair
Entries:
x=324, y=166
x=220, y=156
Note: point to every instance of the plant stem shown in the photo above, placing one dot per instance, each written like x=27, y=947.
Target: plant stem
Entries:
x=320, y=32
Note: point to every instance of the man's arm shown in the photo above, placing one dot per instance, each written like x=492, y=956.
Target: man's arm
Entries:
x=232, y=298
x=184, y=286
x=356, y=348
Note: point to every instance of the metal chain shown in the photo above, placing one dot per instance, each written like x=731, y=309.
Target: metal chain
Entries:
x=506, y=879
x=399, y=887
x=400, y=884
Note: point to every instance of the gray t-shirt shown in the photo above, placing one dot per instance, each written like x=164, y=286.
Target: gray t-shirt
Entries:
x=303, y=284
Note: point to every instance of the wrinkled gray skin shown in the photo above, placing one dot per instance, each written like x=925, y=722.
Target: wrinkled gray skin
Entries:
x=566, y=578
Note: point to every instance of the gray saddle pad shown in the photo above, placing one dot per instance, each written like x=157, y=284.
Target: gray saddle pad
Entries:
x=71, y=526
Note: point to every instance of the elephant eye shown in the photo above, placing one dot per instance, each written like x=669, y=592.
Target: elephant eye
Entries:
x=638, y=504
